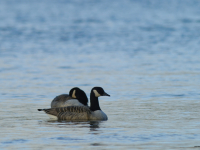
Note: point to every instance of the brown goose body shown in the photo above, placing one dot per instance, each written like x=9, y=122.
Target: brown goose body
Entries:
x=69, y=113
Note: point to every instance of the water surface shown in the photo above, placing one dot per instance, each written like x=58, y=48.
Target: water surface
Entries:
x=144, y=54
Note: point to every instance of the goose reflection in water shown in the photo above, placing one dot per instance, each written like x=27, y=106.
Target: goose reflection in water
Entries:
x=93, y=125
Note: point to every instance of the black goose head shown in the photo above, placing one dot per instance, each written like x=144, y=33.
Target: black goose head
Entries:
x=98, y=91
x=79, y=94
x=73, y=92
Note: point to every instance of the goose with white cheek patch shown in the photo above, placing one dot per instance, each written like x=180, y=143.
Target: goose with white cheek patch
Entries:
x=93, y=112
x=76, y=97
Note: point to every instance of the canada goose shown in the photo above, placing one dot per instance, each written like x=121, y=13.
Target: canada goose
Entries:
x=76, y=97
x=93, y=112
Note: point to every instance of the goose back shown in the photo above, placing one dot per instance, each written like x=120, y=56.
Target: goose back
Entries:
x=60, y=101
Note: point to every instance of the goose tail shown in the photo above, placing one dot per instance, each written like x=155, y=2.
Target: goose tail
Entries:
x=51, y=111
x=40, y=109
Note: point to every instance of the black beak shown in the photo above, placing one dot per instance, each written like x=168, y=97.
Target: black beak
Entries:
x=105, y=94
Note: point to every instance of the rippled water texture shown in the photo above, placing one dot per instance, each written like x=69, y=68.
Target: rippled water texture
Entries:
x=145, y=54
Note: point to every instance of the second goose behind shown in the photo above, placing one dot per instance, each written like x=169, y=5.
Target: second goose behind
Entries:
x=76, y=97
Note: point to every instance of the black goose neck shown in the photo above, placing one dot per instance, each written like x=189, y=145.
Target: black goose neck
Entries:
x=83, y=100
x=94, y=102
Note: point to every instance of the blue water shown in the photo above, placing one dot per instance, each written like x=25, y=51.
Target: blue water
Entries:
x=145, y=54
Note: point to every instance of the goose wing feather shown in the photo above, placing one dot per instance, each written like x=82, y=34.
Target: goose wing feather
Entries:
x=59, y=101
x=70, y=112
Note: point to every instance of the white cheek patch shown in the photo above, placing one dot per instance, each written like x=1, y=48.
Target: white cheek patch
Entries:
x=73, y=94
x=96, y=93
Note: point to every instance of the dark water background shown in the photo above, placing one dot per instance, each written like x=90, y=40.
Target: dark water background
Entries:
x=145, y=54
